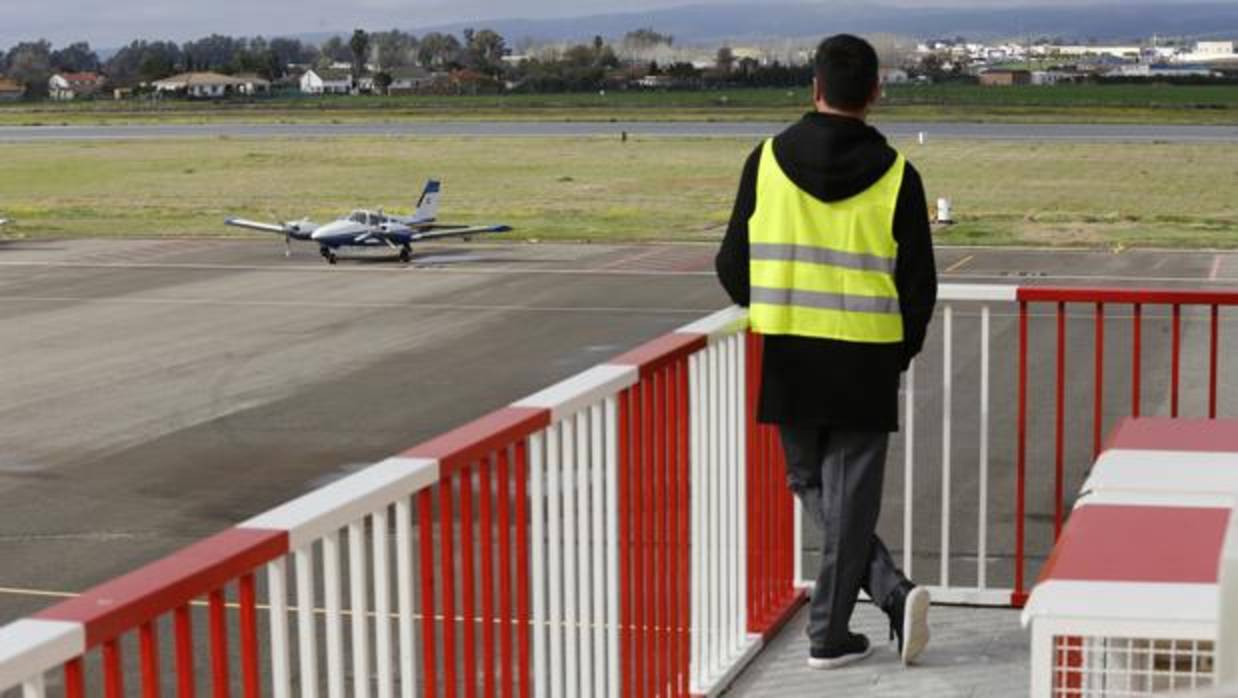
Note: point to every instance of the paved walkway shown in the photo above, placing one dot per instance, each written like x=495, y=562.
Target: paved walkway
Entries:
x=974, y=653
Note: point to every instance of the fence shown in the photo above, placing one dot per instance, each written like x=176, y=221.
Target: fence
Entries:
x=592, y=539
x=626, y=532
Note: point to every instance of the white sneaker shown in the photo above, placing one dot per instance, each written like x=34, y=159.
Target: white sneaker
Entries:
x=857, y=648
x=915, y=635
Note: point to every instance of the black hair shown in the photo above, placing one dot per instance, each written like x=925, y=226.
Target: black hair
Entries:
x=846, y=66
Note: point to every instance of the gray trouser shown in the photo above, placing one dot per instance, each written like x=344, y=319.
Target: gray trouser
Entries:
x=837, y=475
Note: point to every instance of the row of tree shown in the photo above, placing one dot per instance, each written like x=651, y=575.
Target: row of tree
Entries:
x=590, y=66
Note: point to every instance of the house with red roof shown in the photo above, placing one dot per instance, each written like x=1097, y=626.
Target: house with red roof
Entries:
x=73, y=85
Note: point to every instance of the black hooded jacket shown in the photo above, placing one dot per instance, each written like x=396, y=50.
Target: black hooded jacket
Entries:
x=823, y=382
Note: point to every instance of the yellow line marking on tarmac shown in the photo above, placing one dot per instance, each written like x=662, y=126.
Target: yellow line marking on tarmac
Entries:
x=959, y=264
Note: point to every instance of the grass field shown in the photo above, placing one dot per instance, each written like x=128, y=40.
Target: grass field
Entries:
x=1071, y=103
x=595, y=189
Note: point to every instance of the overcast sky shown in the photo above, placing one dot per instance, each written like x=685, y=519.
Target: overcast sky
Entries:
x=111, y=23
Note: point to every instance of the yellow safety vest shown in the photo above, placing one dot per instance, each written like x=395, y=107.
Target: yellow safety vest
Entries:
x=822, y=269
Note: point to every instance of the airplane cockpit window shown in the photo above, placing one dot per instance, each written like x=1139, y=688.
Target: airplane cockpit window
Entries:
x=357, y=217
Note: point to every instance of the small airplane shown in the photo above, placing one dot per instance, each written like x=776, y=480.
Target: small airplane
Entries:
x=363, y=228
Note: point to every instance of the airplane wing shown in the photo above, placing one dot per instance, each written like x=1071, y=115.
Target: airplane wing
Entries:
x=4, y=221
x=302, y=228
x=435, y=232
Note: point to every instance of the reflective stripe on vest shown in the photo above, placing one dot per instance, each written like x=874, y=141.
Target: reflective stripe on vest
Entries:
x=823, y=269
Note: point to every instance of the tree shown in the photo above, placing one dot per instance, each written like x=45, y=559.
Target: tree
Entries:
x=142, y=60
x=76, y=58
x=725, y=60
x=30, y=63
x=289, y=51
x=382, y=82
x=335, y=50
x=646, y=38
x=394, y=49
x=485, y=51
x=438, y=50
x=360, y=46
x=214, y=52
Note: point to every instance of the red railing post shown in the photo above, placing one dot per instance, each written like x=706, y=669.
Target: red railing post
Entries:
x=506, y=606
x=149, y=651
x=74, y=680
x=219, y=645
x=1176, y=360
x=487, y=575
x=113, y=675
x=1212, y=362
x=1098, y=401
x=1059, y=424
x=1021, y=459
x=467, y=586
x=1136, y=360
x=184, y=653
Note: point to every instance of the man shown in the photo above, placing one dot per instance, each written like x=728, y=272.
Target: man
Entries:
x=829, y=246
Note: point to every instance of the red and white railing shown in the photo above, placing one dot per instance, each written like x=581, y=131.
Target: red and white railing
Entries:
x=592, y=539
x=625, y=532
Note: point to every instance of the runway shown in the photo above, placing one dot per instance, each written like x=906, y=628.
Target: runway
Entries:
x=157, y=391
x=1107, y=133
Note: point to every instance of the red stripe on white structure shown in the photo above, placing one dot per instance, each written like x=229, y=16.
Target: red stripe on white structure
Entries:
x=1166, y=434
x=122, y=604
x=661, y=352
x=499, y=429
x=1118, y=543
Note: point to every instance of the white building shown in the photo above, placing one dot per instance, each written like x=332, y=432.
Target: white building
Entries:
x=326, y=82
x=1209, y=52
x=66, y=86
x=211, y=85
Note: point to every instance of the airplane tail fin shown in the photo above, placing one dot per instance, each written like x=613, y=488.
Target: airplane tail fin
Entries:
x=427, y=205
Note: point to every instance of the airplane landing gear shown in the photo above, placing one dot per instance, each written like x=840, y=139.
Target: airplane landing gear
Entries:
x=406, y=254
x=327, y=254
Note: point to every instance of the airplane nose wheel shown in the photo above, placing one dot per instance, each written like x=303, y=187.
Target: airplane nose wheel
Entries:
x=328, y=255
x=406, y=254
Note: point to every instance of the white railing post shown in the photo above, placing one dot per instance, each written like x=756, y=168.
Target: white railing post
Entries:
x=308, y=648
x=537, y=503
x=554, y=522
x=947, y=398
x=332, y=577
x=698, y=530
x=359, y=608
x=404, y=577
x=909, y=465
x=982, y=529
x=277, y=590
x=612, y=549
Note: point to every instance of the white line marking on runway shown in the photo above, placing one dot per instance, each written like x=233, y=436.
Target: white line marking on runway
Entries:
x=1216, y=268
x=959, y=264
x=320, y=305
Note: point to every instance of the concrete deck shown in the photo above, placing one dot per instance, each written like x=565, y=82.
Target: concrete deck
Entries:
x=974, y=653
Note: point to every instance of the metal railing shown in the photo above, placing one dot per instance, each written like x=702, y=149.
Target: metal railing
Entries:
x=626, y=532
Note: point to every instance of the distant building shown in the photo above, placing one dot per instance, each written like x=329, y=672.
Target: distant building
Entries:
x=408, y=80
x=1049, y=78
x=66, y=86
x=210, y=85
x=894, y=76
x=1209, y=52
x=326, y=82
x=1081, y=51
x=10, y=90
x=1164, y=70
x=1005, y=78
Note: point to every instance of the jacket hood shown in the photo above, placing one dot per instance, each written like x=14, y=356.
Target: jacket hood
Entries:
x=833, y=157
